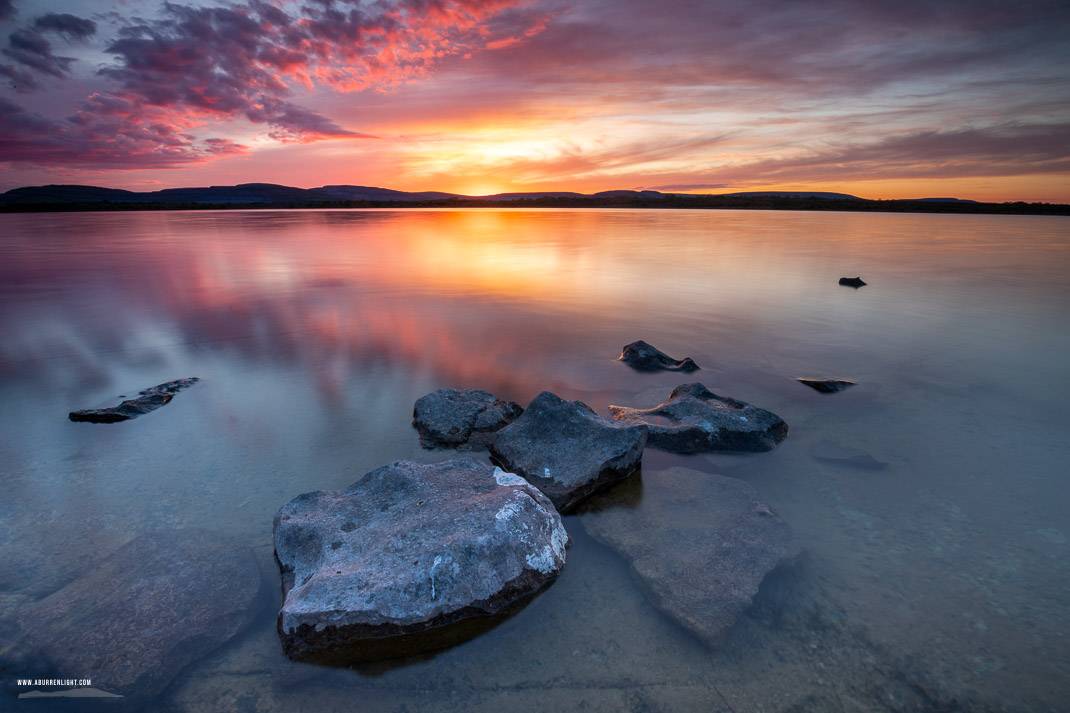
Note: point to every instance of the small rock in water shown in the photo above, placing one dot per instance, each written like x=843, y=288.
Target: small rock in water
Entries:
x=408, y=549
x=827, y=386
x=148, y=400
x=699, y=544
x=643, y=357
x=854, y=282
x=700, y=420
x=568, y=451
x=465, y=419
x=829, y=450
x=132, y=624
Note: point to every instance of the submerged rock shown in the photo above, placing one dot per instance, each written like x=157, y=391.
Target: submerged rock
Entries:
x=827, y=386
x=695, y=419
x=643, y=357
x=699, y=544
x=408, y=548
x=157, y=604
x=567, y=450
x=829, y=450
x=465, y=419
x=854, y=282
x=148, y=400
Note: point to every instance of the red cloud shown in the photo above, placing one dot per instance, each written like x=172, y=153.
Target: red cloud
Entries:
x=198, y=64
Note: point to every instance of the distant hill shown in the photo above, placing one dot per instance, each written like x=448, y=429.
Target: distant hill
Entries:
x=270, y=195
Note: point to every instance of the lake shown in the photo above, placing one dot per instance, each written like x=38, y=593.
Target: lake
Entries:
x=938, y=582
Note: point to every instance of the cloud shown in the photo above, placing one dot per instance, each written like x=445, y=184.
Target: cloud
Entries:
x=194, y=65
x=7, y=10
x=72, y=27
x=116, y=137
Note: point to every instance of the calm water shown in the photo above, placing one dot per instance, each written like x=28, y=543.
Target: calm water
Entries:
x=940, y=581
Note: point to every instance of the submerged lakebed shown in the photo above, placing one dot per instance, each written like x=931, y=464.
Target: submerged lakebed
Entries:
x=933, y=579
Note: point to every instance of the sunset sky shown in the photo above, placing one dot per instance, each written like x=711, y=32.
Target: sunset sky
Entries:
x=878, y=98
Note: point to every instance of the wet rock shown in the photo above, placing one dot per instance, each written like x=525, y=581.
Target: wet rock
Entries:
x=568, y=451
x=643, y=357
x=148, y=400
x=699, y=544
x=694, y=419
x=465, y=419
x=410, y=548
x=827, y=386
x=829, y=450
x=157, y=604
x=854, y=282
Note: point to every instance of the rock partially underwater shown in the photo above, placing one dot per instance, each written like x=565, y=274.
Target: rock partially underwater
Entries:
x=644, y=357
x=854, y=282
x=567, y=450
x=699, y=544
x=833, y=452
x=465, y=419
x=407, y=549
x=695, y=419
x=827, y=386
x=132, y=624
x=148, y=400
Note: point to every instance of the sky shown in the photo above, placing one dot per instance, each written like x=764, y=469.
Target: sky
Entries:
x=876, y=98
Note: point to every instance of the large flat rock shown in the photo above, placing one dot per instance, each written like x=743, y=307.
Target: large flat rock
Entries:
x=699, y=544
x=139, y=617
x=409, y=548
x=694, y=419
x=465, y=419
x=567, y=450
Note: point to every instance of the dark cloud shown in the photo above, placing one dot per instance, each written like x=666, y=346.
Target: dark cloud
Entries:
x=7, y=10
x=108, y=138
x=70, y=26
x=34, y=52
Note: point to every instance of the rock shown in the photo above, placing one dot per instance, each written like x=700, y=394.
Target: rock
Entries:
x=157, y=604
x=695, y=419
x=464, y=419
x=566, y=450
x=407, y=549
x=148, y=400
x=827, y=386
x=828, y=450
x=854, y=282
x=643, y=357
x=699, y=544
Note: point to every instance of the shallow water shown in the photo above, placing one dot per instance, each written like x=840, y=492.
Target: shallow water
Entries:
x=937, y=583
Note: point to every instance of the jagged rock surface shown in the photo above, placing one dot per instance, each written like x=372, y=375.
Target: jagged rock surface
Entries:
x=410, y=547
x=148, y=400
x=695, y=419
x=827, y=386
x=567, y=450
x=464, y=419
x=644, y=357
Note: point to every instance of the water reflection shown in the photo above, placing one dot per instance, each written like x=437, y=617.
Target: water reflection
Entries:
x=314, y=332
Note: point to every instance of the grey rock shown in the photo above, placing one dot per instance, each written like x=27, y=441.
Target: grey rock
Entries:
x=567, y=450
x=465, y=419
x=643, y=357
x=854, y=282
x=827, y=386
x=410, y=548
x=695, y=419
x=699, y=544
x=155, y=605
x=148, y=400
x=829, y=450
